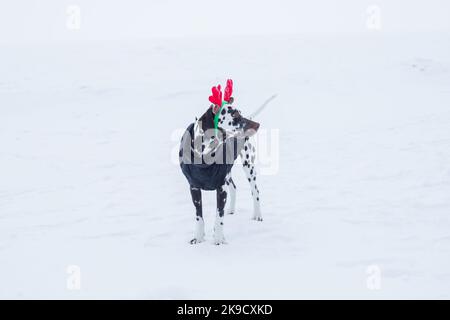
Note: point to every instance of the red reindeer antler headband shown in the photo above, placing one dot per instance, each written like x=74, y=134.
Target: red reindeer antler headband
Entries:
x=228, y=91
x=218, y=104
x=216, y=97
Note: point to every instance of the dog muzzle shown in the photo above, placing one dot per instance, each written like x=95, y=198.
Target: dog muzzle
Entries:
x=250, y=127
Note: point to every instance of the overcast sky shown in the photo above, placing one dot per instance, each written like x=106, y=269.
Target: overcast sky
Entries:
x=45, y=20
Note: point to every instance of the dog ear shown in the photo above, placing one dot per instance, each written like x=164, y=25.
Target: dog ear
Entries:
x=215, y=108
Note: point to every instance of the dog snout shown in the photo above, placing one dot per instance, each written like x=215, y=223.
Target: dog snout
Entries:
x=250, y=127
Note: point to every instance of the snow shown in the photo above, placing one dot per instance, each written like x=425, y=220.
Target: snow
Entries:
x=359, y=179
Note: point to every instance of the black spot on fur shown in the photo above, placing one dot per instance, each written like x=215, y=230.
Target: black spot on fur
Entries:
x=223, y=111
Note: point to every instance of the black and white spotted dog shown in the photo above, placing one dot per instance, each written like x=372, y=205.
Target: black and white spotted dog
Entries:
x=208, y=151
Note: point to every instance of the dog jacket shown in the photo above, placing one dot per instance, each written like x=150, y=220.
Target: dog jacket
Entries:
x=201, y=172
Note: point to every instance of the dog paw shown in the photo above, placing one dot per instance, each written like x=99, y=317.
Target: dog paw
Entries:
x=219, y=238
x=219, y=242
x=196, y=241
x=257, y=218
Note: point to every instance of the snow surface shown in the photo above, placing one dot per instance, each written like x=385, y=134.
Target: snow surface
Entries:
x=87, y=133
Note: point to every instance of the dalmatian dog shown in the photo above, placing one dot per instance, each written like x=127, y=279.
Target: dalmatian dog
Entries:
x=208, y=151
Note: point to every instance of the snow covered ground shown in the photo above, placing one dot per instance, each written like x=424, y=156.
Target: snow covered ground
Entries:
x=358, y=207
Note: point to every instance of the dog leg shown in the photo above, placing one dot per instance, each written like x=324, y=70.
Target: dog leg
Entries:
x=199, y=235
x=218, y=226
x=232, y=191
x=248, y=155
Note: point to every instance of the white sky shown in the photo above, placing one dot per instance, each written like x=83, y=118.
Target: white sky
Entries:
x=45, y=20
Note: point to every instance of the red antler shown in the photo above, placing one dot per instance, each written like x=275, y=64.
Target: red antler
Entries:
x=216, y=97
x=228, y=90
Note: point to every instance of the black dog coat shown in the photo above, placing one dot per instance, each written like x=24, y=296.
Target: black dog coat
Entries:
x=203, y=174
